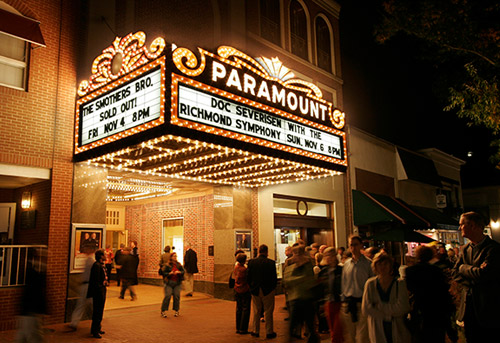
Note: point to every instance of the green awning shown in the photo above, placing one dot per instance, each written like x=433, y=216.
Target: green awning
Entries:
x=370, y=208
x=438, y=219
x=366, y=212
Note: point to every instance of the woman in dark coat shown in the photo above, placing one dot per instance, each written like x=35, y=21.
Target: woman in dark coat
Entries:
x=97, y=291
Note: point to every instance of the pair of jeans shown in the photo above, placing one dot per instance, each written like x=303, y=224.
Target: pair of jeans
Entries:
x=171, y=288
x=242, y=310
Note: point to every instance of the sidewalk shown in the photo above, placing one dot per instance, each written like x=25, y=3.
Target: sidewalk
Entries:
x=202, y=319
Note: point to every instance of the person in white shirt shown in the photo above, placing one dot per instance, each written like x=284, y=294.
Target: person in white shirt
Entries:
x=356, y=271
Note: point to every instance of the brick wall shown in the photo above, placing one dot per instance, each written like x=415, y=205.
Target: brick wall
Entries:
x=40, y=201
x=36, y=129
x=144, y=223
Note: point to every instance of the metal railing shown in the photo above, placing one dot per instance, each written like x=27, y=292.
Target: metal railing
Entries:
x=15, y=259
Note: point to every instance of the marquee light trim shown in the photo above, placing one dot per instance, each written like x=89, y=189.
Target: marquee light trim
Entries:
x=109, y=87
x=187, y=63
x=133, y=54
x=192, y=160
x=174, y=119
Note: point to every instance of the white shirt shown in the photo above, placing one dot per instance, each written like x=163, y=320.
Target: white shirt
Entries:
x=354, y=276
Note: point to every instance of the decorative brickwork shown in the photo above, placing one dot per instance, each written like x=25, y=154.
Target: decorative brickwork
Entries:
x=144, y=223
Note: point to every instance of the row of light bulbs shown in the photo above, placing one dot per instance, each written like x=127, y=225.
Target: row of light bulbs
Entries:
x=258, y=174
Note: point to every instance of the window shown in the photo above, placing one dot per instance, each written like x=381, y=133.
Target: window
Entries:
x=270, y=21
x=298, y=30
x=323, y=45
x=13, y=61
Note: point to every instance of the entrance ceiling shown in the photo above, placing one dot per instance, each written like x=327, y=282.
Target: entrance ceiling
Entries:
x=170, y=163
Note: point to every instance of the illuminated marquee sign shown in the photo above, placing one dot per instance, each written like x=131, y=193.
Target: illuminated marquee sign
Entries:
x=215, y=111
x=259, y=102
x=115, y=105
x=229, y=94
x=126, y=107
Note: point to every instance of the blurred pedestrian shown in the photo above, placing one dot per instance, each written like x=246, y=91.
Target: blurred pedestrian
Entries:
x=478, y=271
x=386, y=303
x=165, y=257
x=333, y=303
x=135, y=254
x=173, y=275
x=108, y=253
x=33, y=301
x=432, y=305
x=242, y=294
x=128, y=273
x=83, y=303
x=191, y=268
x=300, y=283
x=262, y=279
x=98, y=282
x=118, y=264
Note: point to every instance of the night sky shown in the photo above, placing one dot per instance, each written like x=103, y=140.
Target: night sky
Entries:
x=394, y=92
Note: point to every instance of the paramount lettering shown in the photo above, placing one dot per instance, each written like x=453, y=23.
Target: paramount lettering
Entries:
x=262, y=90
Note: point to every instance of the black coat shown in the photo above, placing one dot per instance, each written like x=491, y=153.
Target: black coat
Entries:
x=262, y=275
x=97, y=288
x=428, y=287
x=191, y=262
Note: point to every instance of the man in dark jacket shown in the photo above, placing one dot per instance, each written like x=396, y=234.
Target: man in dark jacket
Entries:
x=97, y=290
x=128, y=273
x=432, y=305
x=190, y=267
x=262, y=279
x=478, y=271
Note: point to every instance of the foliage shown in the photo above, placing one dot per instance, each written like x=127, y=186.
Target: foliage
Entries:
x=456, y=31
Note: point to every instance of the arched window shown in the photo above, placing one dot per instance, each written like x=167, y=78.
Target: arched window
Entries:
x=298, y=29
x=270, y=20
x=323, y=45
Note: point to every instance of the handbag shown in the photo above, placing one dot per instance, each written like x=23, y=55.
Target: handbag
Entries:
x=231, y=281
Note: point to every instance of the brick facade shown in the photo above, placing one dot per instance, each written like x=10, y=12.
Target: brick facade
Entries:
x=144, y=223
x=36, y=130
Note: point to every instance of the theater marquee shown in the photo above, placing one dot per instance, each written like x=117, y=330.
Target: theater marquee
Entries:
x=228, y=94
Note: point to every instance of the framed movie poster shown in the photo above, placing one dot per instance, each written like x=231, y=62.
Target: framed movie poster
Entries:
x=85, y=239
x=243, y=240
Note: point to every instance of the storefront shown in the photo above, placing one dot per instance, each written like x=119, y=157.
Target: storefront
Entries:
x=215, y=149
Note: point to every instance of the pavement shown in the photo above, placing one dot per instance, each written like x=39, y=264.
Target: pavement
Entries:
x=202, y=319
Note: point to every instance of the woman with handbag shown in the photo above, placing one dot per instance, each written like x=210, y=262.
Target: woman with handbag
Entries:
x=173, y=274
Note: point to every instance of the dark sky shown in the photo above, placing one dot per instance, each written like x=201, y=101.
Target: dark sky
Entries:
x=390, y=90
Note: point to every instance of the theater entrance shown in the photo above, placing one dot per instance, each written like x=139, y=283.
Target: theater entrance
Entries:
x=299, y=218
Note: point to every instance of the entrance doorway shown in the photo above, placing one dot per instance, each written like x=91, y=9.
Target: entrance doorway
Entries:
x=300, y=218
x=173, y=235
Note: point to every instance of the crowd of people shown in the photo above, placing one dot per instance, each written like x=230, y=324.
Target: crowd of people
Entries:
x=362, y=295
x=358, y=295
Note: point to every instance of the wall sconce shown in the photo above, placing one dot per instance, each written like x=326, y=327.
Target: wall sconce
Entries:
x=26, y=200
